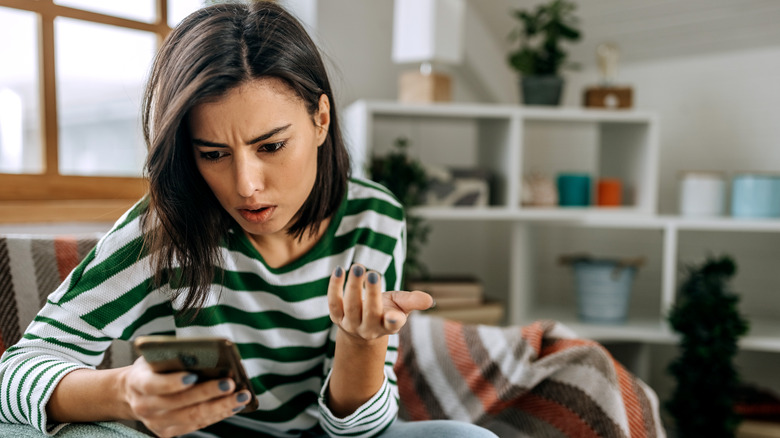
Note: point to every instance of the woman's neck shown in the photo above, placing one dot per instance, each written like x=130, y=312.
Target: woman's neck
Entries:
x=282, y=249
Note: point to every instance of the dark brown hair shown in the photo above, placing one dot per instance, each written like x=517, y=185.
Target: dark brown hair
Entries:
x=210, y=53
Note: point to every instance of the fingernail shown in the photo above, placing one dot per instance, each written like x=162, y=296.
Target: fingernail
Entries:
x=224, y=385
x=433, y=305
x=392, y=321
x=338, y=272
x=357, y=271
x=242, y=397
x=373, y=278
x=238, y=409
x=189, y=379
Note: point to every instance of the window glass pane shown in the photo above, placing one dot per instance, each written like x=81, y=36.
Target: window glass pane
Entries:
x=21, y=150
x=141, y=10
x=179, y=9
x=101, y=72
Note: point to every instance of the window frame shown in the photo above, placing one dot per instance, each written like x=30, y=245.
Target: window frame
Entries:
x=50, y=196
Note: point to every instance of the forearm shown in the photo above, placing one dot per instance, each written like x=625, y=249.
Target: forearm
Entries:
x=86, y=395
x=358, y=372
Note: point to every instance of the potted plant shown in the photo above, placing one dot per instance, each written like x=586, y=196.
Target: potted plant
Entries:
x=407, y=180
x=540, y=55
x=709, y=322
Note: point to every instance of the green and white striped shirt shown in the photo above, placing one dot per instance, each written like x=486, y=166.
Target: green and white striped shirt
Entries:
x=278, y=317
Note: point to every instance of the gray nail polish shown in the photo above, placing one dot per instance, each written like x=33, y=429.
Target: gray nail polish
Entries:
x=189, y=379
x=338, y=272
x=357, y=271
x=373, y=278
x=224, y=385
x=242, y=397
x=238, y=409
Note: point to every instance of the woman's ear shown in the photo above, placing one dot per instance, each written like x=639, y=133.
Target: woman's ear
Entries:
x=322, y=119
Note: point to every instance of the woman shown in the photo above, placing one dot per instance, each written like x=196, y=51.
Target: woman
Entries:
x=251, y=231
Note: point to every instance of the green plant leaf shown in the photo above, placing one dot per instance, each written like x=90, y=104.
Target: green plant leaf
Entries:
x=407, y=180
x=707, y=317
x=540, y=34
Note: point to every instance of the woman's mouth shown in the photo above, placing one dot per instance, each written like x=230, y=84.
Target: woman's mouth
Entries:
x=257, y=216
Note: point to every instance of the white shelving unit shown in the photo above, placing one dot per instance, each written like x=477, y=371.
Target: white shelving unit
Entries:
x=501, y=243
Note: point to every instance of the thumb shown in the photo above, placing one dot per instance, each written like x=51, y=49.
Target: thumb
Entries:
x=415, y=300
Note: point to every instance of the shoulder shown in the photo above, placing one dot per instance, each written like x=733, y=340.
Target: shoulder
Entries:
x=371, y=208
x=120, y=248
x=127, y=232
x=363, y=194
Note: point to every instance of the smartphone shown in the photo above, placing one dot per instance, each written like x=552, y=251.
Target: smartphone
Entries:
x=208, y=358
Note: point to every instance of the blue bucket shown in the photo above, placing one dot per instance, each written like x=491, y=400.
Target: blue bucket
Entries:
x=603, y=290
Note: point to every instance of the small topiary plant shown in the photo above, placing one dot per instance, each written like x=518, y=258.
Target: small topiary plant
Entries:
x=707, y=317
x=407, y=180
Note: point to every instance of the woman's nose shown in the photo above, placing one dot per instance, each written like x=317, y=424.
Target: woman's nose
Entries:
x=248, y=177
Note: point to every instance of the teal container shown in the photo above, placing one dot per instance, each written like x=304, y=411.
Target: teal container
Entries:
x=603, y=290
x=574, y=189
x=755, y=195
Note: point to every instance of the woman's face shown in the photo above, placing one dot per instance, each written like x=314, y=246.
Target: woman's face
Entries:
x=256, y=148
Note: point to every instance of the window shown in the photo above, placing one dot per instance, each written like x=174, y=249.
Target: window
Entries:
x=70, y=103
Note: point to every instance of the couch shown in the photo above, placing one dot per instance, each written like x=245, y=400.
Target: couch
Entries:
x=537, y=380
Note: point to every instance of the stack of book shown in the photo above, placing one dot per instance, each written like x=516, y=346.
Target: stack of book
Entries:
x=760, y=409
x=758, y=429
x=460, y=299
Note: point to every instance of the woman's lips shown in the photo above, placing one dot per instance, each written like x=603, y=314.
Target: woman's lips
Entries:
x=257, y=216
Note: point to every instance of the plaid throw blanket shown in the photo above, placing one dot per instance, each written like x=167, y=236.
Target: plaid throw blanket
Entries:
x=30, y=269
x=531, y=381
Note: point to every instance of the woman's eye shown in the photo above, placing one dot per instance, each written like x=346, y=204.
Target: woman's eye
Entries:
x=212, y=155
x=273, y=147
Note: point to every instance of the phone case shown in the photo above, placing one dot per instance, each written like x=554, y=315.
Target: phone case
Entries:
x=208, y=358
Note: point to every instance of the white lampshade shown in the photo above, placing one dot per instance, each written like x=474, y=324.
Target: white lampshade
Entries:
x=428, y=31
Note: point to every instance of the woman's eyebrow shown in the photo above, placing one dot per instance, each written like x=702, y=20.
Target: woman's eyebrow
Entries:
x=268, y=134
x=265, y=136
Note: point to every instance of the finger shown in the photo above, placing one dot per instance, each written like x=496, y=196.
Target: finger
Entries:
x=372, y=304
x=199, y=393
x=353, y=300
x=200, y=415
x=393, y=320
x=408, y=301
x=149, y=382
x=335, y=295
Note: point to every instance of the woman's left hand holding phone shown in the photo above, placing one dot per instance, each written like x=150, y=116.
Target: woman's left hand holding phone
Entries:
x=175, y=403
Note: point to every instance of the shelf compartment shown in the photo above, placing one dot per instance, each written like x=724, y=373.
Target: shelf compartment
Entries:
x=474, y=249
x=757, y=278
x=602, y=149
x=450, y=136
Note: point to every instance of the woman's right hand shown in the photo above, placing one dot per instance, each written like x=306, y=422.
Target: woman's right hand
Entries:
x=174, y=403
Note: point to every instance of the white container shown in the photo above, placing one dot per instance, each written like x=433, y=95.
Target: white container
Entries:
x=702, y=194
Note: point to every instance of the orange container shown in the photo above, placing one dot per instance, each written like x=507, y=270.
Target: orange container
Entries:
x=609, y=192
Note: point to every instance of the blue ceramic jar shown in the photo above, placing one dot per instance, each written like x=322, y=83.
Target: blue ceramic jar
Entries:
x=755, y=195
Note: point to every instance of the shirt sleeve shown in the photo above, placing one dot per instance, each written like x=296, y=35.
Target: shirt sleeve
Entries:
x=98, y=302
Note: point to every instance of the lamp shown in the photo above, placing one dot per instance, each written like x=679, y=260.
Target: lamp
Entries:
x=427, y=32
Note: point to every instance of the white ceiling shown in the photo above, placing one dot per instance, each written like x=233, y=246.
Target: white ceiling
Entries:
x=649, y=30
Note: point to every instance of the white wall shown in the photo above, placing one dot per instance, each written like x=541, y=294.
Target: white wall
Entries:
x=718, y=112
x=356, y=37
